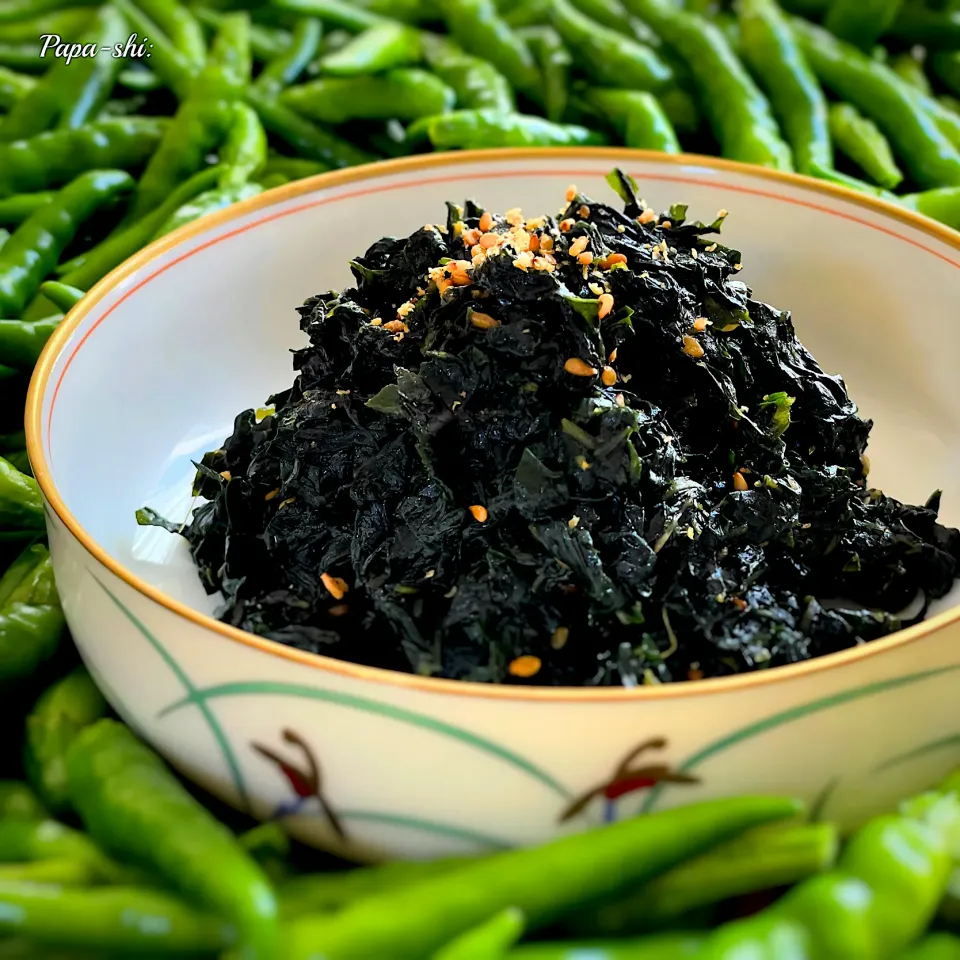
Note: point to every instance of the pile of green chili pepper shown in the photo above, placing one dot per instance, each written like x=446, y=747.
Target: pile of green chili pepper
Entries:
x=104, y=853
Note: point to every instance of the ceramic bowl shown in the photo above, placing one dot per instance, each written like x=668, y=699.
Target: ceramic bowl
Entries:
x=149, y=370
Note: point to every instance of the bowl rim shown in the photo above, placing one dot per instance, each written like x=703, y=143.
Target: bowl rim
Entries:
x=40, y=381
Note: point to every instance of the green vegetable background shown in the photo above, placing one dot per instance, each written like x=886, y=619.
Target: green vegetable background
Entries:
x=104, y=853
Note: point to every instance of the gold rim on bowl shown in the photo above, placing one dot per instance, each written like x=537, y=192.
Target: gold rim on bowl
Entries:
x=44, y=368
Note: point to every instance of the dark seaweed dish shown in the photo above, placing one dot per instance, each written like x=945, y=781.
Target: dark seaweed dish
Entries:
x=558, y=451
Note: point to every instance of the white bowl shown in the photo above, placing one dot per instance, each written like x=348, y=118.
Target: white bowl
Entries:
x=149, y=370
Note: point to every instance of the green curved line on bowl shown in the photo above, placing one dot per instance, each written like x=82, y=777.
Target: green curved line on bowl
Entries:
x=931, y=746
x=793, y=713
x=426, y=826
x=235, y=773
x=821, y=800
x=268, y=687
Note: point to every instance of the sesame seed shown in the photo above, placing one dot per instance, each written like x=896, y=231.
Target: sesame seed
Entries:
x=666, y=225
x=486, y=222
x=721, y=214
x=565, y=225
x=693, y=252
x=648, y=216
x=336, y=586
x=479, y=513
x=738, y=266
x=606, y=304
x=710, y=249
x=583, y=463
x=573, y=522
x=621, y=401
x=579, y=368
x=608, y=376
x=338, y=610
x=613, y=356
x=595, y=289
x=621, y=228
x=483, y=321
x=272, y=494
x=739, y=483
x=584, y=211
x=578, y=246
x=343, y=393
x=525, y=666
x=692, y=348
x=571, y=194
x=430, y=574
x=701, y=324
x=559, y=638
x=226, y=474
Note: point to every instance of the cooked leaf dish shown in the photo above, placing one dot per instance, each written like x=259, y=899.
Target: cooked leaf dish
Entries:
x=566, y=450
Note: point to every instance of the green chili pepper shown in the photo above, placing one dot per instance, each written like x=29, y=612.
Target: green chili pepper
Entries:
x=14, y=210
x=946, y=66
x=738, y=112
x=139, y=80
x=20, y=459
x=83, y=271
x=180, y=26
x=476, y=129
x=166, y=61
x=882, y=893
x=12, y=11
x=477, y=83
x=58, y=716
x=18, y=801
x=337, y=13
x=62, y=295
x=880, y=94
x=935, y=946
x=383, y=46
x=13, y=87
x=479, y=29
x=201, y=124
x=606, y=56
x=405, y=94
x=760, y=860
x=230, y=57
x=144, y=921
x=31, y=621
x=861, y=22
x=52, y=158
x=760, y=937
x=4, y=237
x=206, y=203
x=287, y=67
x=487, y=941
x=64, y=873
x=920, y=23
x=909, y=69
x=304, y=137
x=21, y=56
x=86, y=86
x=544, y=882
x=70, y=93
x=25, y=840
x=38, y=242
x=266, y=43
x=244, y=151
x=669, y=946
x=22, y=341
x=555, y=64
x=131, y=803
x=648, y=127
x=862, y=142
x=67, y=23
x=613, y=15
x=291, y=168
x=316, y=893
x=525, y=13
x=12, y=441
x=271, y=180
x=770, y=51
